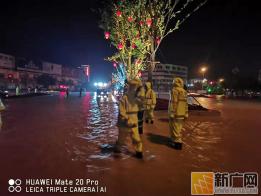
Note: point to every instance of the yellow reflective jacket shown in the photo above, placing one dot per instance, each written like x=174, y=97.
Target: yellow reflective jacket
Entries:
x=141, y=98
x=128, y=105
x=150, y=97
x=178, y=104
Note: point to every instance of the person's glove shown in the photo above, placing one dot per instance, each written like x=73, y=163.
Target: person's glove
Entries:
x=130, y=123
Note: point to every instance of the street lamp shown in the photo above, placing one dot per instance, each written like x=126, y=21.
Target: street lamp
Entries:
x=203, y=71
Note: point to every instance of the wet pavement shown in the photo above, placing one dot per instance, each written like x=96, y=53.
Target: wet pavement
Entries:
x=58, y=137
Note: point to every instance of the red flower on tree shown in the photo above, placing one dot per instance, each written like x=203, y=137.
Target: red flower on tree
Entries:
x=115, y=64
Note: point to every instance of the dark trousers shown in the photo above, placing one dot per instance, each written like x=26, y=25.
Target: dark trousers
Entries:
x=140, y=121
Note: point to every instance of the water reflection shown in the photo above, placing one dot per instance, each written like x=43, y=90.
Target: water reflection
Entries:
x=100, y=128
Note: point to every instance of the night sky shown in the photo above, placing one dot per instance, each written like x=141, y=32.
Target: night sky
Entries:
x=222, y=34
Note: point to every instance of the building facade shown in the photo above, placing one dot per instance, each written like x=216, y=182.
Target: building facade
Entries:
x=164, y=74
x=7, y=61
x=24, y=72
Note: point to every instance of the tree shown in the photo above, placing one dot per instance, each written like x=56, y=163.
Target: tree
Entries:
x=137, y=27
x=119, y=77
x=120, y=24
x=46, y=80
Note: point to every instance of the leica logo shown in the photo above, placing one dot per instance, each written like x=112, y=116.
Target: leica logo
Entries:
x=14, y=185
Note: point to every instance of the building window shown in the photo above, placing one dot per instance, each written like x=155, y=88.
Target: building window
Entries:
x=167, y=67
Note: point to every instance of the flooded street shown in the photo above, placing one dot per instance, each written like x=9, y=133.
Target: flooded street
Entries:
x=56, y=137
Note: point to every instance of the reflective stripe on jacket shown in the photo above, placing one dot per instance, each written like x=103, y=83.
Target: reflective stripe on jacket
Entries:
x=150, y=98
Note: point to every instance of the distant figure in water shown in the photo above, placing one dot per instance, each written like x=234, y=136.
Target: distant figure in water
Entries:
x=67, y=92
x=2, y=108
x=17, y=90
x=80, y=92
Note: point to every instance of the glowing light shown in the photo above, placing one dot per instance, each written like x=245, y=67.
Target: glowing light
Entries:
x=107, y=35
x=119, y=77
x=130, y=19
x=204, y=80
x=87, y=70
x=120, y=46
x=118, y=13
x=203, y=69
x=149, y=22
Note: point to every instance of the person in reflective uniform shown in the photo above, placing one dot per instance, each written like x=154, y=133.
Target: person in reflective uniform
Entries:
x=178, y=111
x=2, y=108
x=128, y=119
x=150, y=103
x=141, y=98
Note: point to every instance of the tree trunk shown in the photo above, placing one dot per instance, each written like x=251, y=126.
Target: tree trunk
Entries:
x=152, y=60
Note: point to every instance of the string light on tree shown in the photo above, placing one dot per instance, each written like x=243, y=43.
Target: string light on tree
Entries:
x=115, y=64
x=137, y=29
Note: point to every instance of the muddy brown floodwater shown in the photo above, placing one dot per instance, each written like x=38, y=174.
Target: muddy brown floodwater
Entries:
x=55, y=137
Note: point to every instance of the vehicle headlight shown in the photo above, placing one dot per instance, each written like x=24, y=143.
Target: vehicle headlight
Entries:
x=102, y=93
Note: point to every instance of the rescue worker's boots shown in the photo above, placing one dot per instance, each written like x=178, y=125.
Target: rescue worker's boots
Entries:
x=176, y=145
x=149, y=121
x=139, y=155
x=140, y=130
